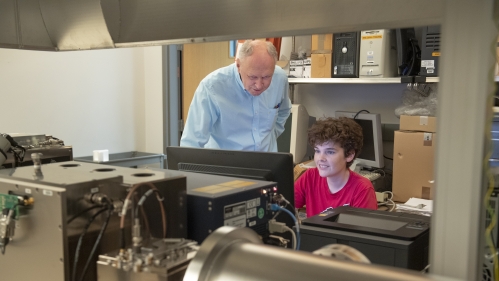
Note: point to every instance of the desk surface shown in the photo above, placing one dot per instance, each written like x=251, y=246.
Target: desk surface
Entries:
x=128, y=159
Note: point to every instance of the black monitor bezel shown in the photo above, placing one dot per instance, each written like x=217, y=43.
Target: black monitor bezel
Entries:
x=278, y=163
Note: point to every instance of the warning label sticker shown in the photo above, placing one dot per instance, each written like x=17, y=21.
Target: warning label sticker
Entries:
x=235, y=214
x=368, y=37
x=428, y=63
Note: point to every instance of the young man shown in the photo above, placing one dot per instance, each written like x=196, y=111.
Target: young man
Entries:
x=243, y=106
x=331, y=184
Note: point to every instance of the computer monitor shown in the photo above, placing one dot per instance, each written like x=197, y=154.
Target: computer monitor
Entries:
x=269, y=166
x=294, y=139
x=371, y=155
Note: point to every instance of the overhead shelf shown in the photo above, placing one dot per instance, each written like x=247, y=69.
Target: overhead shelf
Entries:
x=387, y=80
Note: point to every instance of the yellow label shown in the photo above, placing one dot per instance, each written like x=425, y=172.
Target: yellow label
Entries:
x=236, y=183
x=225, y=186
x=368, y=37
x=213, y=189
x=435, y=54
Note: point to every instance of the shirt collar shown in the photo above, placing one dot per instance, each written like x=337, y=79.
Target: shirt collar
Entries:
x=238, y=78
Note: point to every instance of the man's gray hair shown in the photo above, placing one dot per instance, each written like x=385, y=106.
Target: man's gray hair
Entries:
x=247, y=50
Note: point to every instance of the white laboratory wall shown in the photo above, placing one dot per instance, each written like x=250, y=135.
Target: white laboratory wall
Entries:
x=154, y=120
x=322, y=100
x=97, y=99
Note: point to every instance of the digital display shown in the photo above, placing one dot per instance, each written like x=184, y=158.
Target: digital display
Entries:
x=367, y=221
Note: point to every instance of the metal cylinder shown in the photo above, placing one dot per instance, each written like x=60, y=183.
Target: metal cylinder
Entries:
x=37, y=161
x=237, y=254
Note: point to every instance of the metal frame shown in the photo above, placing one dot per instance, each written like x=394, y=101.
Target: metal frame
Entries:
x=468, y=31
x=171, y=97
x=94, y=24
x=468, y=34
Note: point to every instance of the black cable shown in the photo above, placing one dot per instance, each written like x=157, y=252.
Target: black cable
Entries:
x=387, y=157
x=80, y=240
x=417, y=57
x=97, y=241
x=4, y=155
x=413, y=57
x=18, y=157
x=408, y=64
x=82, y=212
x=23, y=152
x=363, y=110
x=61, y=142
x=14, y=144
x=388, y=171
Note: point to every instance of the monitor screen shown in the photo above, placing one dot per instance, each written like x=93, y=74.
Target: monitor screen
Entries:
x=269, y=166
x=371, y=154
x=364, y=221
x=294, y=139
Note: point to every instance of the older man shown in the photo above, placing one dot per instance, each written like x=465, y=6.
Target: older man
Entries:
x=242, y=106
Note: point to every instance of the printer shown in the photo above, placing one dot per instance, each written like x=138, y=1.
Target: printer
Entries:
x=386, y=238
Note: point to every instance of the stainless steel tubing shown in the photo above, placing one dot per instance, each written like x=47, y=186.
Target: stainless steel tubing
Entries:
x=237, y=254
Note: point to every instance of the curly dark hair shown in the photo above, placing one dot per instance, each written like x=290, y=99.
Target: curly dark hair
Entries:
x=343, y=131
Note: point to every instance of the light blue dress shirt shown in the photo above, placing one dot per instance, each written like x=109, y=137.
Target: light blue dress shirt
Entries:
x=223, y=115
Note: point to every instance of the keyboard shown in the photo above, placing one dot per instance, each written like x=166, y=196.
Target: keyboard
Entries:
x=369, y=175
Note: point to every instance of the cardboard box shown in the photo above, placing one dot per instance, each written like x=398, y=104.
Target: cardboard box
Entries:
x=321, y=65
x=418, y=123
x=413, y=162
x=296, y=68
x=322, y=42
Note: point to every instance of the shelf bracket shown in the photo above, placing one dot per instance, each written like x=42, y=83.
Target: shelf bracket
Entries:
x=417, y=84
x=292, y=93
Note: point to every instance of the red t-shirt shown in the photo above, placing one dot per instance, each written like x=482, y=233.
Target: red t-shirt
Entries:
x=312, y=190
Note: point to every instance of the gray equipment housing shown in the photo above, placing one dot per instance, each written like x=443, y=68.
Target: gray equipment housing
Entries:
x=430, y=51
x=214, y=201
x=44, y=241
x=385, y=238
